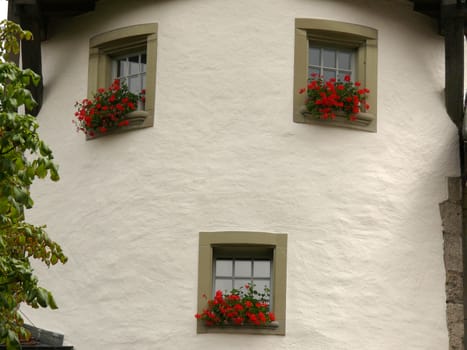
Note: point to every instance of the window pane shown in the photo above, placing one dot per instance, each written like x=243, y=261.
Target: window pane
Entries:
x=261, y=268
x=241, y=283
x=261, y=285
x=122, y=68
x=328, y=74
x=143, y=78
x=329, y=58
x=341, y=75
x=143, y=63
x=331, y=62
x=243, y=268
x=344, y=59
x=314, y=56
x=314, y=71
x=223, y=285
x=134, y=64
x=134, y=84
x=224, y=268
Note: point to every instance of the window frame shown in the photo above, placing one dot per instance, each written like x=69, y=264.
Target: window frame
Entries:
x=208, y=241
x=105, y=46
x=338, y=34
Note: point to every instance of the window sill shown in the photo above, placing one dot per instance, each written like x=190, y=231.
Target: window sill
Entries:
x=136, y=118
x=364, y=121
x=271, y=329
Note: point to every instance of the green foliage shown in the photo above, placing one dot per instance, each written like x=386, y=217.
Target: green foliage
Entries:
x=23, y=158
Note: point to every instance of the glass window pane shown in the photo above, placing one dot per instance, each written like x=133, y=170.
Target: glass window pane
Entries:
x=261, y=285
x=223, y=285
x=242, y=268
x=328, y=74
x=122, y=69
x=344, y=59
x=143, y=65
x=134, y=64
x=241, y=283
x=341, y=75
x=143, y=79
x=314, y=56
x=314, y=71
x=329, y=58
x=224, y=268
x=134, y=84
x=261, y=268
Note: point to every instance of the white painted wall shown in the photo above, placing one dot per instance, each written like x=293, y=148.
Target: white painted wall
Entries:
x=365, y=260
x=3, y=9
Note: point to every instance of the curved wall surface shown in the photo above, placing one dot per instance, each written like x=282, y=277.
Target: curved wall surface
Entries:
x=364, y=258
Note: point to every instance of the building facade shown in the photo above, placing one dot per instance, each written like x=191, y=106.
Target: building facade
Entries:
x=225, y=157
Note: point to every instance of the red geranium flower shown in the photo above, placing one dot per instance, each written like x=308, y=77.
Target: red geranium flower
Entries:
x=326, y=99
x=107, y=110
x=237, y=308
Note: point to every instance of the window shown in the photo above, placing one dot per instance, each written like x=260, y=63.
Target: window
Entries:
x=233, y=259
x=331, y=62
x=236, y=266
x=333, y=50
x=130, y=54
x=131, y=68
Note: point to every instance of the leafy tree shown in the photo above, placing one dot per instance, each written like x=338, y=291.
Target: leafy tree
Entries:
x=23, y=158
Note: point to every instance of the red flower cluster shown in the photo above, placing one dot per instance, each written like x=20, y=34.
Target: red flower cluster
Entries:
x=325, y=98
x=106, y=111
x=237, y=308
x=142, y=95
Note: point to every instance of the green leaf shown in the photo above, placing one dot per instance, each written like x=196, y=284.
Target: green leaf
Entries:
x=54, y=173
x=36, y=78
x=30, y=295
x=51, y=301
x=19, y=195
x=42, y=297
x=44, y=149
x=3, y=331
x=13, y=102
x=41, y=171
x=12, y=341
x=27, y=35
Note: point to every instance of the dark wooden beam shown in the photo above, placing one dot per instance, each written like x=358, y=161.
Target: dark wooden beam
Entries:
x=46, y=10
x=31, y=57
x=71, y=7
x=453, y=29
x=430, y=8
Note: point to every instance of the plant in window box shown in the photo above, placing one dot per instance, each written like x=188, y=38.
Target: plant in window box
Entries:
x=238, y=308
x=142, y=100
x=108, y=110
x=334, y=98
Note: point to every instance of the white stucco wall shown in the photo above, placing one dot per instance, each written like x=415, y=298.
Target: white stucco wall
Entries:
x=365, y=260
